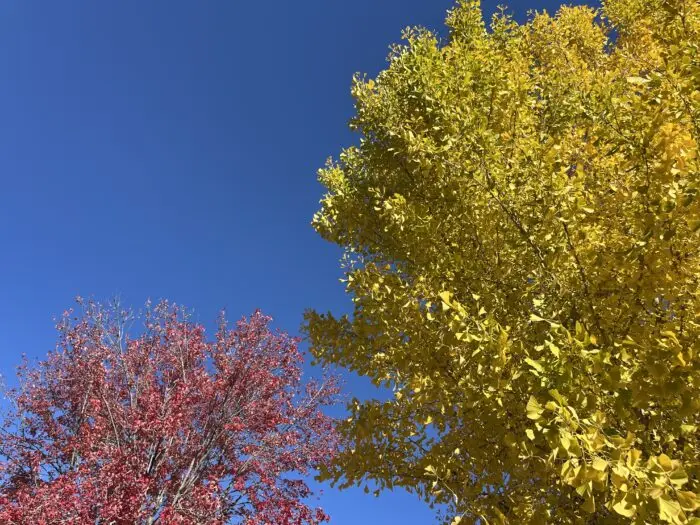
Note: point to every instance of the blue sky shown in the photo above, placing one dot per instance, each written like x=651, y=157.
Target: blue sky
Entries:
x=168, y=149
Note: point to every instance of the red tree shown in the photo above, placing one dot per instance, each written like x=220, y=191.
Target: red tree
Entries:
x=165, y=427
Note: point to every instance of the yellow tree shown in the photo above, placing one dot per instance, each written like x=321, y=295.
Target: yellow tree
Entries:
x=520, y=225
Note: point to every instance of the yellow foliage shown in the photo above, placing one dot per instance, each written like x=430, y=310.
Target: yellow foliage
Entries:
x=520, y=224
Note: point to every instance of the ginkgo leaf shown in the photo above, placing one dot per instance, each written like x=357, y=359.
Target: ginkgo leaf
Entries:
x=668, y=509
x=624, y=507
x=688, y=500
x=534, y=364
x=600, y=464
x=534, y=409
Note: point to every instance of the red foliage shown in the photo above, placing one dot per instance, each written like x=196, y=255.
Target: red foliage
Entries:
x=165, y=427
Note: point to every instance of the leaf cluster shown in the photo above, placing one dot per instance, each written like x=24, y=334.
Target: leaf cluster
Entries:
x=520, y=224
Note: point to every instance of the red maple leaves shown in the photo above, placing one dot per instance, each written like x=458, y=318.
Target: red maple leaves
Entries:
x=165, y=427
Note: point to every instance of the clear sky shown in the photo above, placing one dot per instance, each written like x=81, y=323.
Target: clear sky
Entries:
x=168, y=149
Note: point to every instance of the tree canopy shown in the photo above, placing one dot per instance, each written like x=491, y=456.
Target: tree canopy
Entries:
x=122, y=425
x=520, y=227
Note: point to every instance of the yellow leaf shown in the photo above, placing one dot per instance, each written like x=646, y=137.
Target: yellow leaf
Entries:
x=446, y=298
x=637, y=80
x=589, y=504
x=534, y=364
x=678, y=477
x=557, y=396
x=600, y=464
x=534, y=409
x=688, y=500
x=668, y=509
x=665, y=462
x=688, y=429
x=565, y=442
x=633, y=457
x=624, y=507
